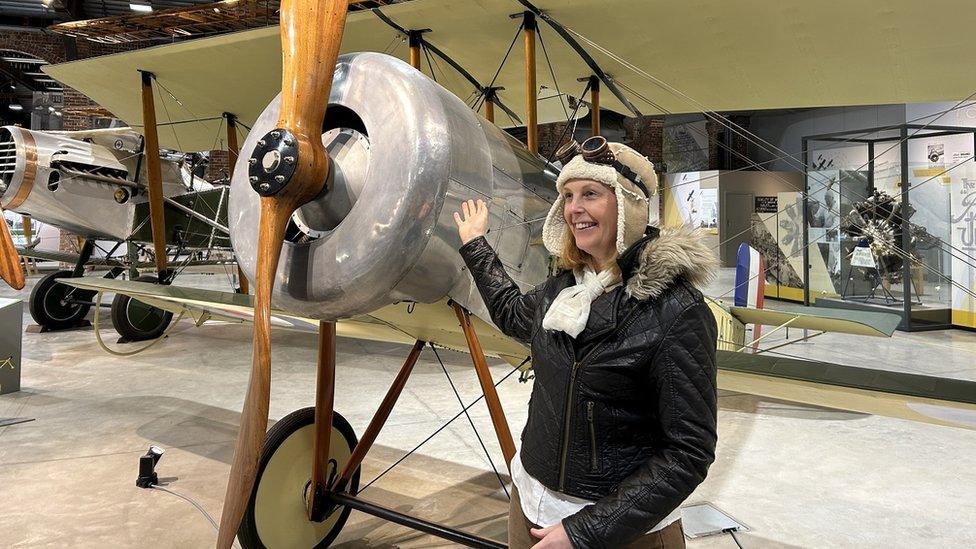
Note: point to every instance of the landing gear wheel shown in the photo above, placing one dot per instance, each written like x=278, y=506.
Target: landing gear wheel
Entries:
x=47, y=302
x=136, y=321
x=275, y=516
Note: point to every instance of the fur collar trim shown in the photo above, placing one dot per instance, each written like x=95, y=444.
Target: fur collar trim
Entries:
x=677, y=252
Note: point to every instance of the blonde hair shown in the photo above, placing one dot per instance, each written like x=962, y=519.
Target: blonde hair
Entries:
x=573, y=258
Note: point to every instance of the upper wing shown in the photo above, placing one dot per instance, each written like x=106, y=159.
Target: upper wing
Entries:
x=848, y=53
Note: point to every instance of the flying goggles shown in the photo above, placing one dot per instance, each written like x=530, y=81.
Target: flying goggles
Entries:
x=597, y=151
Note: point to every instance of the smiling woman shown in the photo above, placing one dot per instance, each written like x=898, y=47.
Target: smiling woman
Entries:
x=622, y=325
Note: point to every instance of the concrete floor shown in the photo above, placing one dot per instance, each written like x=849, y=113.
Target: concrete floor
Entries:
x=798, y=476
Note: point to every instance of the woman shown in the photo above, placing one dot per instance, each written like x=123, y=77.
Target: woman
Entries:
x=621, y=423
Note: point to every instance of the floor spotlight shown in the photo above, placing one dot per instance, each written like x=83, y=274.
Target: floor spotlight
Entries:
x=147, y=467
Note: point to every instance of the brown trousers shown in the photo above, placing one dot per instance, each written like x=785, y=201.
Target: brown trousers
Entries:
x=519, y=537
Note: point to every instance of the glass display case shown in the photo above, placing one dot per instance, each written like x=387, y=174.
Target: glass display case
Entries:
x=872, y=242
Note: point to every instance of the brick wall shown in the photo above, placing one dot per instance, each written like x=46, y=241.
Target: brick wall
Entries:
x=717, y=153
x=645, y=135
x=642, y=134
x=219, y=166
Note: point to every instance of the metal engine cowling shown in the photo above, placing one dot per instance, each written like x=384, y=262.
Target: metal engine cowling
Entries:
x=72, y=180
x=406, y=152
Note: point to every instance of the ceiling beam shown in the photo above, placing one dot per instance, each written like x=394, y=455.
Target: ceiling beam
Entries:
x=18, y=76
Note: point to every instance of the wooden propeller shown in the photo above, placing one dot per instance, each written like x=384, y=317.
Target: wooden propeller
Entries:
x=289, y=167
x=10, y=269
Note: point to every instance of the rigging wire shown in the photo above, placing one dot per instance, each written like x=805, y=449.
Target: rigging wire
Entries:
x=430, y=65
x=814, y=199
x=562, y=136
x=168, y=117
x=439, y=67
x=839, y=144
x=435, y=433
x=746, y=134
x=213, y=146
x=477, y=435
x=484, y=93
x=396, y=36
x=552, y=73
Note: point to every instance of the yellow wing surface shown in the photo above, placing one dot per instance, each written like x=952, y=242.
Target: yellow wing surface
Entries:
x=401, y=323
x=928, y=399
x=757, y=55
x=827, y=320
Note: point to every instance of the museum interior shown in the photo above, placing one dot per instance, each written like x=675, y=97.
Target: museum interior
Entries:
x=221, y=324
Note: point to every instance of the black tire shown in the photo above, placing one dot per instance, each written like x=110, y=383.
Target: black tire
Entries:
x=47, y=306
x=277, y=505
x=137, y=321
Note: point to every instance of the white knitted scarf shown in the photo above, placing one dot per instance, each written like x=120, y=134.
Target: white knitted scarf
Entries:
x=571, y=308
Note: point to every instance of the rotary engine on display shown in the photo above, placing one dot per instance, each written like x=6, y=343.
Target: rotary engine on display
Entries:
x=878, y=220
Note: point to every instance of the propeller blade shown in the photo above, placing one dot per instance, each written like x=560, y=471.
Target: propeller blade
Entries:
x=10, y=269
x=289, y=167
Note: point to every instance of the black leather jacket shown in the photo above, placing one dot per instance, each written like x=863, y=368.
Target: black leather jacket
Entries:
x=626, y=414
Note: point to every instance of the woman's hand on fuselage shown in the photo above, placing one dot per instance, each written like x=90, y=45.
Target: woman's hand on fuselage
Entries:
x=474, y=221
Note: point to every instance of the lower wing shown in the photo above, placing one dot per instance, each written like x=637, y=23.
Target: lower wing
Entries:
x=915, y=397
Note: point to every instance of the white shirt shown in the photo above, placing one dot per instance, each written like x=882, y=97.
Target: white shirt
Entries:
x=546, y=507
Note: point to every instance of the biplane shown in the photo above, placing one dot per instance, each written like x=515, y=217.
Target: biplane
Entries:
x=93, y=184
x=341, y=200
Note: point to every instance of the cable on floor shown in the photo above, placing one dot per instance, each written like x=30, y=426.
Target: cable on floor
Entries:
x=98, y=334
x=195, y=504
x=731, y=532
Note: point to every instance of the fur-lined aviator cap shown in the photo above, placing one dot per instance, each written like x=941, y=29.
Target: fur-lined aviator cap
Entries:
x=633, y=210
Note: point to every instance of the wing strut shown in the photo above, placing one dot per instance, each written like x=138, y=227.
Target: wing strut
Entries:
x=233, y=151
x=157, y=219
x=483, y=90
x=756, y=341
x=495, y=410
x=531, y=88
x=583, y=55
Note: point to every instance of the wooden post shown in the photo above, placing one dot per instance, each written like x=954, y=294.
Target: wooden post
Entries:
x=498, y=420
x=379, y=419
x=324, y=404
x=29, y=264
x=490, y=106
x=28, y=229
x=531, y=88
x=157, y=218
x=414, y=43
x=595, y=105
x=491, y=97
x=233, y=151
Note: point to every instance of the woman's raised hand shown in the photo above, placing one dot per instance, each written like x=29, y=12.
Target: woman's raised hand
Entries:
x=474, y=221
